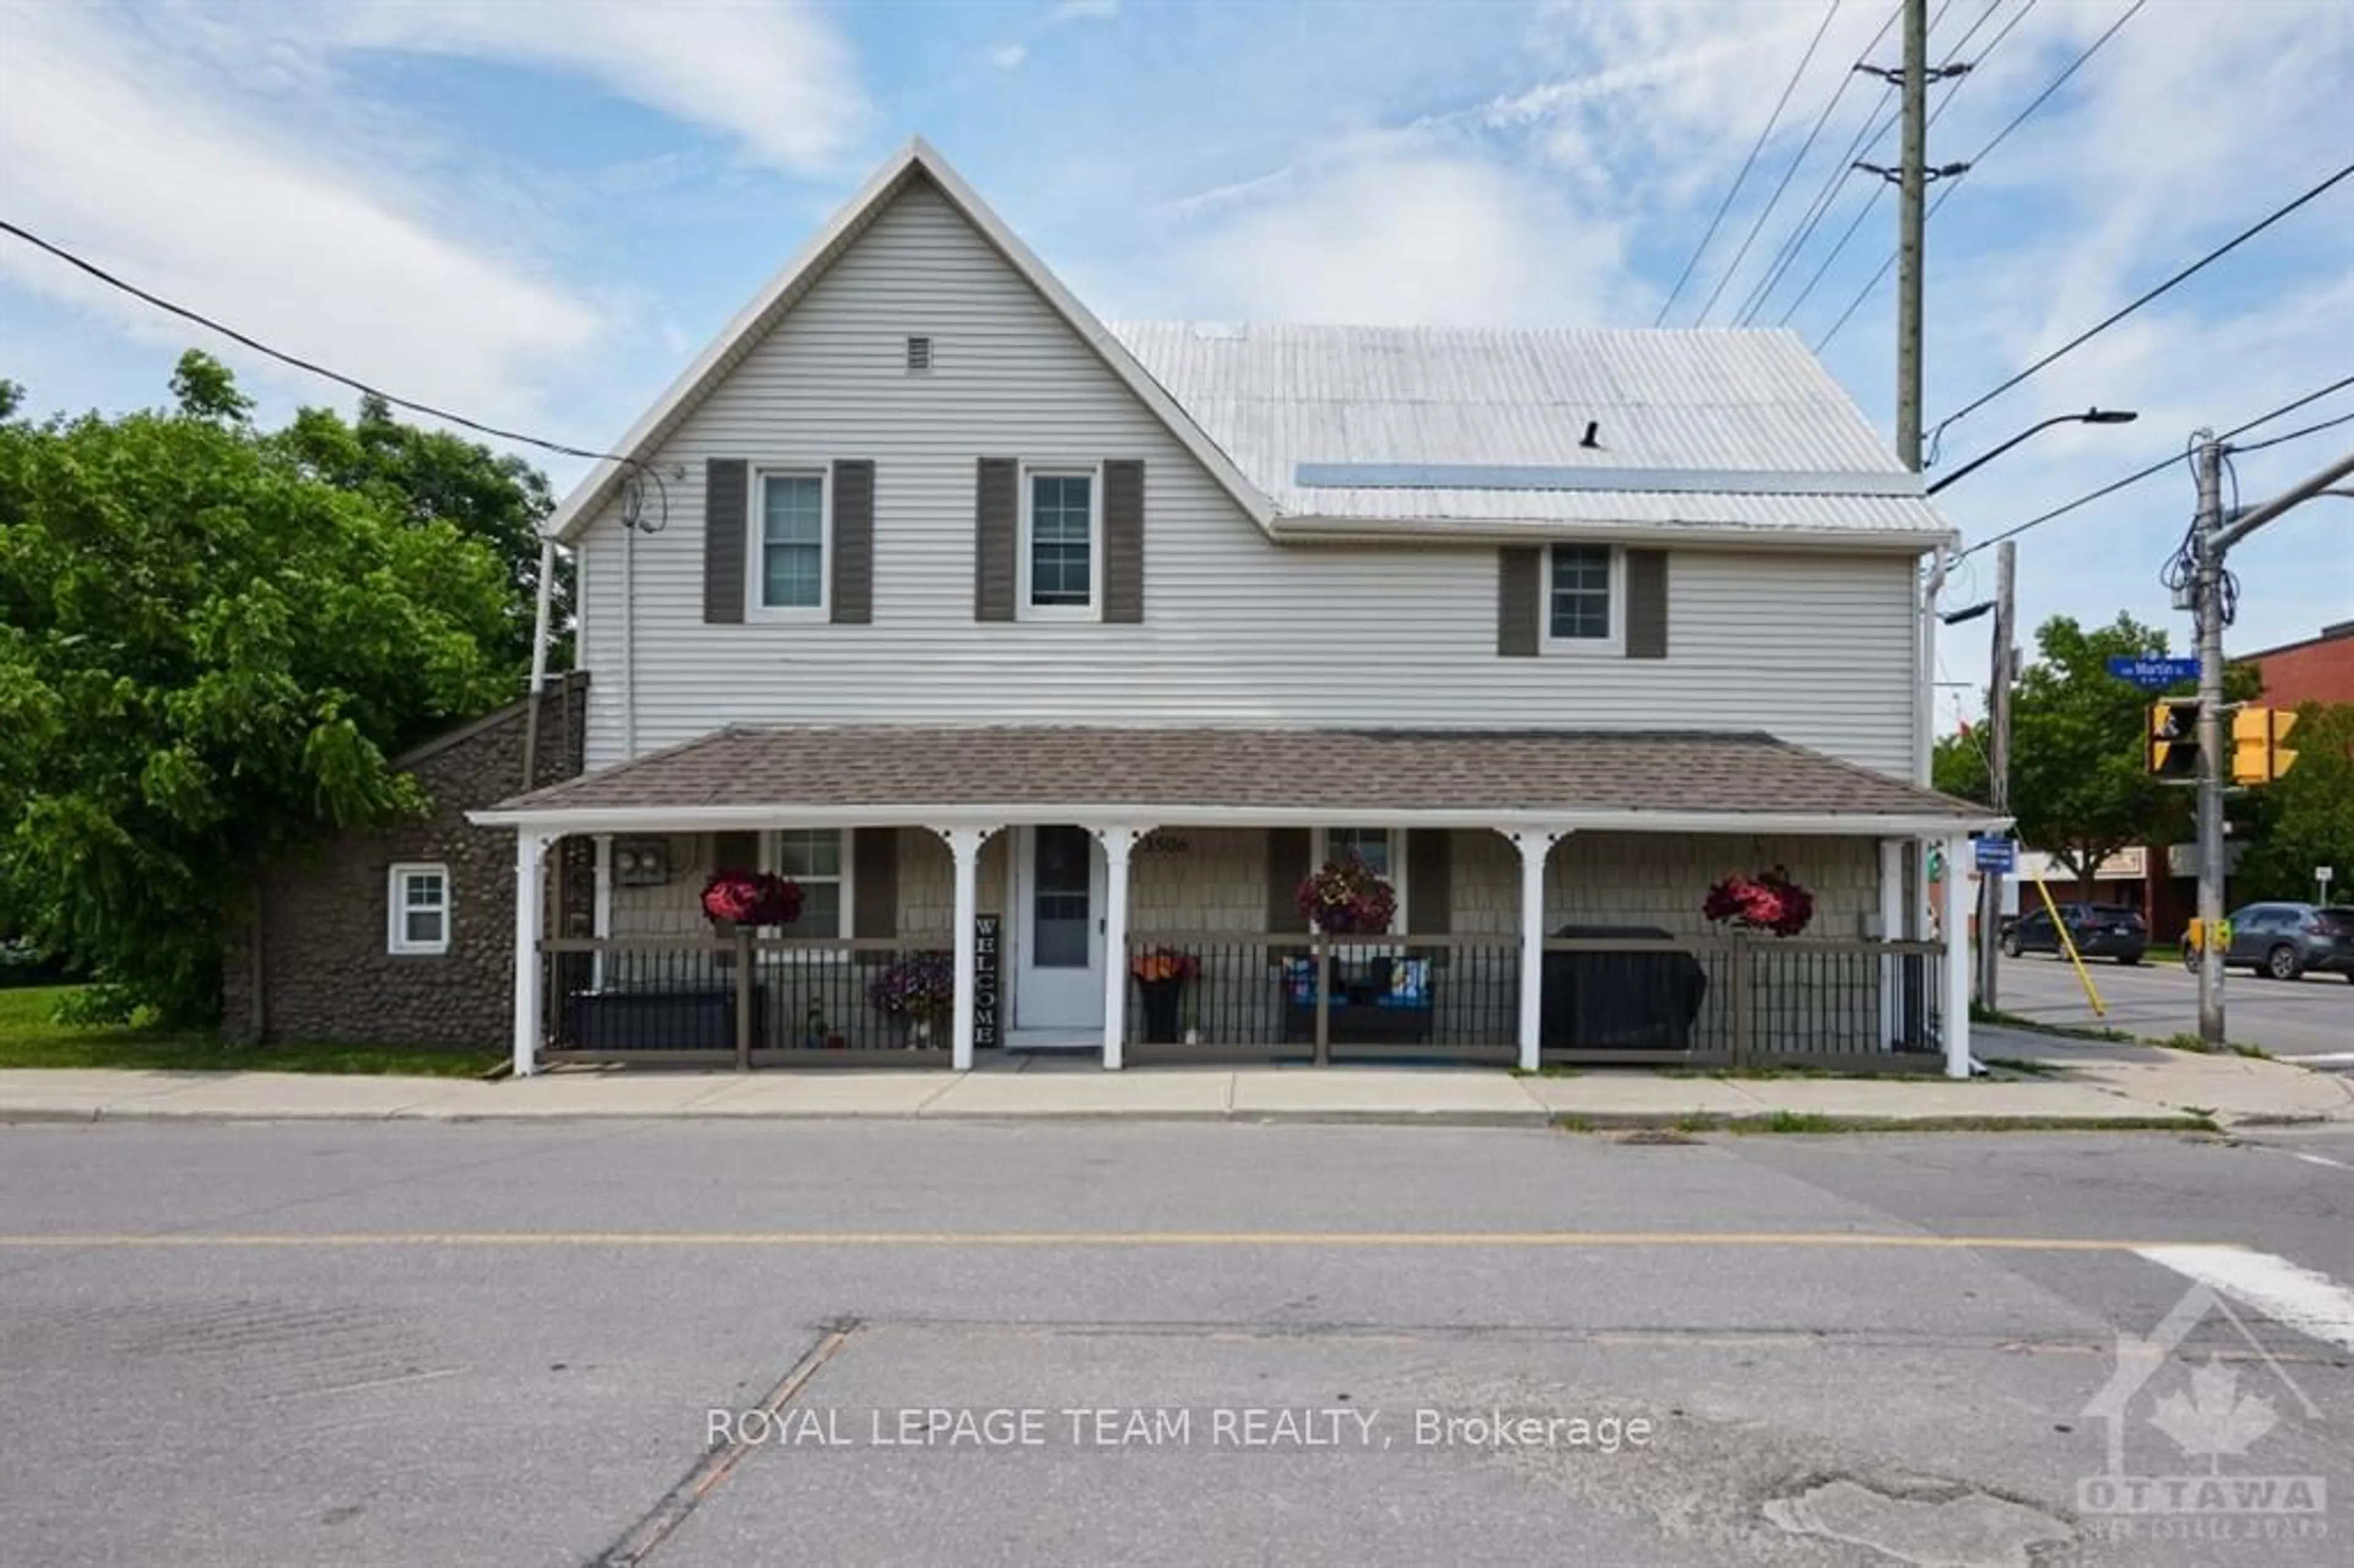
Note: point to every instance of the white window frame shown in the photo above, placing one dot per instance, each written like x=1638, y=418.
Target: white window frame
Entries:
x=1613, y=644
x=395, y=920
x=756, y=568
x=1319, y=851
x=772, y=860
x=1093, y=609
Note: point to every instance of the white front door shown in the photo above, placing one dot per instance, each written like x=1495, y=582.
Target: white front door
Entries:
x=1058, y=954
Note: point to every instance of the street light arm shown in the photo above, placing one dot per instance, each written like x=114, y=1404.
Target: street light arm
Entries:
x=2087, y=417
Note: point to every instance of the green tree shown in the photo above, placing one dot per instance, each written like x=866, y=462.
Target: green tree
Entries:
x=208, y=651
x=2307, y=816
x=430, y=476
x=1958, y=767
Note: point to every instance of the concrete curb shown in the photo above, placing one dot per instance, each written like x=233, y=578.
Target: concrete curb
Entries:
x=1766, y=1122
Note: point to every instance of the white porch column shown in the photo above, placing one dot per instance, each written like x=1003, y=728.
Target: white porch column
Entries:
x=1958, y=961
x=1891, y=929
x=531, y=898
x=1534, y=844
x=1116, y=844
x=964, y=844
x=603, y=927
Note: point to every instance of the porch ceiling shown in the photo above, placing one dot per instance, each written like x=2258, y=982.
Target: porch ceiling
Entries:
x=1175, y=775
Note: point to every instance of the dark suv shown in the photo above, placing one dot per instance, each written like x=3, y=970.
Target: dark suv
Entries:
x=2285, y=940
x=2099, y=931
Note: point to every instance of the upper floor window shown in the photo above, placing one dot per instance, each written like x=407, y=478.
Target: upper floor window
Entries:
x=1581, y=594
x=792, y=542
x=1062, y=546
x=417, y=913
x=814, y=858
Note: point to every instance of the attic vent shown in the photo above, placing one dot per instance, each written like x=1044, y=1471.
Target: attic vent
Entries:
x=919, y=353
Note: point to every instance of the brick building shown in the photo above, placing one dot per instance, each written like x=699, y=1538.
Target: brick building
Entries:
x=406, y=936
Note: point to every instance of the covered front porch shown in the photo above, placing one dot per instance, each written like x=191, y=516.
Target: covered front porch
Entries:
x=1526, y=933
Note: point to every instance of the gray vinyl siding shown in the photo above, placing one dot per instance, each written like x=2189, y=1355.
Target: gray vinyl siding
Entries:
x=1814, y=647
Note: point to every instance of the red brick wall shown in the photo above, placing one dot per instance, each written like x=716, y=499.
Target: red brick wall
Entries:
x=2321, y=670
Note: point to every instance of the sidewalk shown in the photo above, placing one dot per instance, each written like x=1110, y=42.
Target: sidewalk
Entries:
x=2081, y=1084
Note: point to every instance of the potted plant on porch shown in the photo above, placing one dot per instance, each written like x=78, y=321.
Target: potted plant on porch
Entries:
x=915, y=993
x=1162, y=975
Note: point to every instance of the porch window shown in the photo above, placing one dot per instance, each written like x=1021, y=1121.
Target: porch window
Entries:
x=417, y=909
x=1061, y=555
x=1579, y=594
x=814, y=858
x=1381, y=849
x=791, y=540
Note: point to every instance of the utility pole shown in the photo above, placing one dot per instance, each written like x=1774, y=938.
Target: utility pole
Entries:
x=2006, y=566
x=1911, y=182
x=2207, y=590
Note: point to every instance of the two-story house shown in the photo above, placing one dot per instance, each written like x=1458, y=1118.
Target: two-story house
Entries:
x=1063, y=650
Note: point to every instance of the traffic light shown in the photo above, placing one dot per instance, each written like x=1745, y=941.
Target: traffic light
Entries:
x=2257, y=754
x=2171, y=748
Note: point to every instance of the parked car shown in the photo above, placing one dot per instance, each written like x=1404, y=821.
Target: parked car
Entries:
x=2283, y=942
x=2098, y=931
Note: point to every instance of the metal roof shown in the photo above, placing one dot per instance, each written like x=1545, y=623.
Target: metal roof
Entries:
x=1742, y=429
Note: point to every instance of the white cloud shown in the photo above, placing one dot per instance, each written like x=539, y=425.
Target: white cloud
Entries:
x=775, y=76
x=1008, y=56
x=1406, y=235
x=1083, y=10
x=115, y=150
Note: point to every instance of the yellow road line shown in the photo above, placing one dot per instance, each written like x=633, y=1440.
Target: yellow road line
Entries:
x=1050, y=1239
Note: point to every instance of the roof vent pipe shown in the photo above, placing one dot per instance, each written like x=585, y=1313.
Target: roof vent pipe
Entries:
x=1592, y=440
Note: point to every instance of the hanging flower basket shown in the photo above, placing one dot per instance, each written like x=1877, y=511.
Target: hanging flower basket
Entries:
x=1347, y=895
x=1768, y=901
x=752, y=898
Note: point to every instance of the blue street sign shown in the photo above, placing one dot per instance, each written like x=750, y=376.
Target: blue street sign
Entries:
x=1998, y=854
x=2153, y=672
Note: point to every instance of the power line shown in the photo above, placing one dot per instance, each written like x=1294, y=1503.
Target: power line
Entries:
x=1757, y=225
x=1726, y=205
x=2166, y=462
x=1947, y=194
x=1792, y=243
x=200, y=319
x=2196, y=267
x=1875, y=126
x=2296, y=435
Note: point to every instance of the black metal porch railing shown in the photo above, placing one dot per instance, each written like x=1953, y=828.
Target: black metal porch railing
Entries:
x=1199, y=996
x=1742, y=1000
x=746, y=1001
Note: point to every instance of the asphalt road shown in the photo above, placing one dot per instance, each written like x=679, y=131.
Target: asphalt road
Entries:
x=360, y=1343
x=2310, y=1016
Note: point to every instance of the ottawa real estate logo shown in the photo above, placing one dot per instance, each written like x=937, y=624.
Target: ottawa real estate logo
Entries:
x=2181, y=1436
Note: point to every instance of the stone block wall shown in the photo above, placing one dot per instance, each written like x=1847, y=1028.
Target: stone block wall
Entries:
x=322, y=917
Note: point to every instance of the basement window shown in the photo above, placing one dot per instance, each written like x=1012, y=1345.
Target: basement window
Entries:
x=417, y=909
x=920, y=355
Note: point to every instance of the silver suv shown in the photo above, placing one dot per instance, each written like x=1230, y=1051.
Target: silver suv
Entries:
x=2285, y=940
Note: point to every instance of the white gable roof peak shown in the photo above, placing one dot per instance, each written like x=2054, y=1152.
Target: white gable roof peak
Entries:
x=786, y=289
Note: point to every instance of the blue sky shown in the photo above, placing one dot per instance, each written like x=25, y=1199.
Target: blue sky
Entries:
x=535, y=213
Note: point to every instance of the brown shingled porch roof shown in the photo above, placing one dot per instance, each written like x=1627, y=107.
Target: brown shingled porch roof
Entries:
x=1356, y=772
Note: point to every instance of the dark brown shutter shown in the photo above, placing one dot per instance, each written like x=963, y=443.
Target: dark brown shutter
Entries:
x=1286, y=863
x=1519, y=570
x=853, y=542
x=1646, y=604
x=725, y=510
x=996, y=538
x=1123, y=541
x=735, y=852
x=875, y=887
x=1429, y=881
